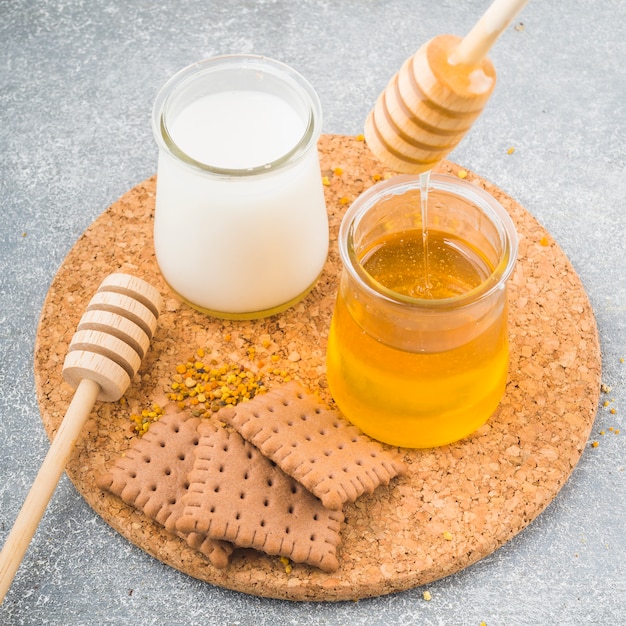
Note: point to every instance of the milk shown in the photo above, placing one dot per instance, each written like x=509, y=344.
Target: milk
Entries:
x=242, y=245
x=237, y=129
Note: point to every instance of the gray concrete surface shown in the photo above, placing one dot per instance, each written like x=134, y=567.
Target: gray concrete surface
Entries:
x=77, y=82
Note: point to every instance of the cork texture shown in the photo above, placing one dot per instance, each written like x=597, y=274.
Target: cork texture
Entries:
x=456, y=504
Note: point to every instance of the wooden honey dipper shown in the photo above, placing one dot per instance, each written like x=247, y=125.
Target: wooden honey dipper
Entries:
x=105, y=353
x=435, y=97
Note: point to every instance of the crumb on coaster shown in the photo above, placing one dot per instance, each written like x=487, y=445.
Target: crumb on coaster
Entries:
x=152, y=477
x=314, y=444
x=237, y=495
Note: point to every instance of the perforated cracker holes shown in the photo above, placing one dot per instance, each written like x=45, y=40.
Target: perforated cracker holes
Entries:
x=238, y=495
x=152, y=477
x=314, y=444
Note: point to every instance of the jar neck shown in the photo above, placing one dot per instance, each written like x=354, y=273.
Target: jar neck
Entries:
x=238, y=73
x=415, y=324
x=418, y=329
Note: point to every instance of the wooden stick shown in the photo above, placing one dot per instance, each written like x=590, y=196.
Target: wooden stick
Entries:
x=45, y=483
x=477, y=43
x=103, y=356
x=435, y=97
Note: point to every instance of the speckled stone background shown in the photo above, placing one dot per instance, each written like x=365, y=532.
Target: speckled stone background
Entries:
x=77, y=82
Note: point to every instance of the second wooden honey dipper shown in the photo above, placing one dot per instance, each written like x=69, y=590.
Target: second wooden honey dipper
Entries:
x=105, y=353
x=435, y=97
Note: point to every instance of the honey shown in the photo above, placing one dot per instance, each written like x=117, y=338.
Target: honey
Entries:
x=417, y=353
x=425, y=398
x=434, y=267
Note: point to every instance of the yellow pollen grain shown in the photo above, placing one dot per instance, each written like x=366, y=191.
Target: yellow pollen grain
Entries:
x=203, y=390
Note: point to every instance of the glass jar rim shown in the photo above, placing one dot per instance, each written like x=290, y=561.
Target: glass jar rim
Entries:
x=251, y=62
x=438, y=182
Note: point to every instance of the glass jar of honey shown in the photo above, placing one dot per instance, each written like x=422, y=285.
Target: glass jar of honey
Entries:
x=418, y=346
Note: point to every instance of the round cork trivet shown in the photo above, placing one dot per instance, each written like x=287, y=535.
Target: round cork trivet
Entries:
x=457, y=504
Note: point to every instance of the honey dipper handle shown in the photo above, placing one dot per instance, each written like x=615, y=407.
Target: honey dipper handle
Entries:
x=477, y=43
x=45, y=483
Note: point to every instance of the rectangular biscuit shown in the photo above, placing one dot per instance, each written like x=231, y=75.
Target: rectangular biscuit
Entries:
x=152, y=477
x=313, y=444
x=237, y=495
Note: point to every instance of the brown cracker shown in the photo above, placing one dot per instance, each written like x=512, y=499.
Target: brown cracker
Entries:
x=152, y=477
x=314, y=444
x=237, y=495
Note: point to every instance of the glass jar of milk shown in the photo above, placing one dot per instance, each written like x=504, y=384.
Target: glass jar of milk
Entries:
x=240, y=227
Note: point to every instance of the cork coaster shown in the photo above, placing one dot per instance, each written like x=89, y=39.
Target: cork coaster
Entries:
x=456, y=504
